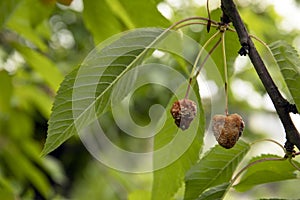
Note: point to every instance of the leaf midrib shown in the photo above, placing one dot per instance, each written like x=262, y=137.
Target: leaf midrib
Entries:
x=113, y=82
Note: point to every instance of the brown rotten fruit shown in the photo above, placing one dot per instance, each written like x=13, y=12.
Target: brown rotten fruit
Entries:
x=184, y=111
x=228, y=129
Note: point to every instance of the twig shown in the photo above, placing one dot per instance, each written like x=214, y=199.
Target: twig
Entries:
x=281, y=105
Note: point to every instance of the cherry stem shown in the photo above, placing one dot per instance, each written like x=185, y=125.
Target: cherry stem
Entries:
x=208, y=12
x=188, y=88
x=190, y=19
x=202, y=65
x=207, y=56
x=225, y=73
x=204, y=61
x=200, y=54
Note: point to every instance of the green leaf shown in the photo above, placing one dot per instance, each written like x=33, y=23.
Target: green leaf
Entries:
x=43, y=66
x=288, y=61
x=232, y=47
x=6, y=88
x=169, y=179
x=266, y=172
x=26, y=18
x=139, y=195
x=6, y=9
x=99, y=19
x=215, y=168
x=215, y=193
x=96, y=77
x=36, y=97
x=132, y=11
x=24, y=170
x=6, y=190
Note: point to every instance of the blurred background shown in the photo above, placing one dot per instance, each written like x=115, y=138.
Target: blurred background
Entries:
x=43, y=40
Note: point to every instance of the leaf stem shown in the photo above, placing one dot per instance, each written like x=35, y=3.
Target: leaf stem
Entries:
x=268, y=140
x=294, y=165
x=194, y=23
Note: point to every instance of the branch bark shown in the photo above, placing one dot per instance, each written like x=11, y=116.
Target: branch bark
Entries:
x=281, y=105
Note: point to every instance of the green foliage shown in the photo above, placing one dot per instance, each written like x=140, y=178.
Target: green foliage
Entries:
x=99, y=20
x=266, y=172
x=169, y=179
x=232, y=46
x=42, y=66
x=26, y=23
x=34, y=61
x=214, y=169
x=288, y=61
x=103, y=17
x=117, y=58
x=214, y=193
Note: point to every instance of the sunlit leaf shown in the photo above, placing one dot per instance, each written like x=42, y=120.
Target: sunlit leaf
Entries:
x=130, y=12
x=215, y=168
x=170, y=178
x=100, y=20
x=266, y=172
x=288, y=61
x=94, y=81
x=139, y=195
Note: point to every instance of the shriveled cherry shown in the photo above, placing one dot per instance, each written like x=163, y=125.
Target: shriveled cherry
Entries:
x=184, y=111
x=228, y=129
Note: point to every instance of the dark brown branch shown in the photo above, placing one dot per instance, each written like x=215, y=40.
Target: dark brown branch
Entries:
x=282, y=106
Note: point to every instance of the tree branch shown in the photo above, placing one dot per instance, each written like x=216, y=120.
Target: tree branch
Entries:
x=282, y=106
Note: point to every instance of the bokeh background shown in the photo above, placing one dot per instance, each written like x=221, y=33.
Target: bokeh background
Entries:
x=43, y=40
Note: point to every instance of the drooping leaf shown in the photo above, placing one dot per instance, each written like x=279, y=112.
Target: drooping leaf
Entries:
x=215, y=168
x=88, y=88
x=43, y=66
x=6, y=190
x=215, y=193
x=266, y=172
x=288, y=61
x=36, y=97
x=14, y=158
x=183, y=146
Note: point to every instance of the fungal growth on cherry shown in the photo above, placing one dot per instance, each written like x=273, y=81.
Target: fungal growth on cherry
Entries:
x=227, y=129
x=184, y=111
